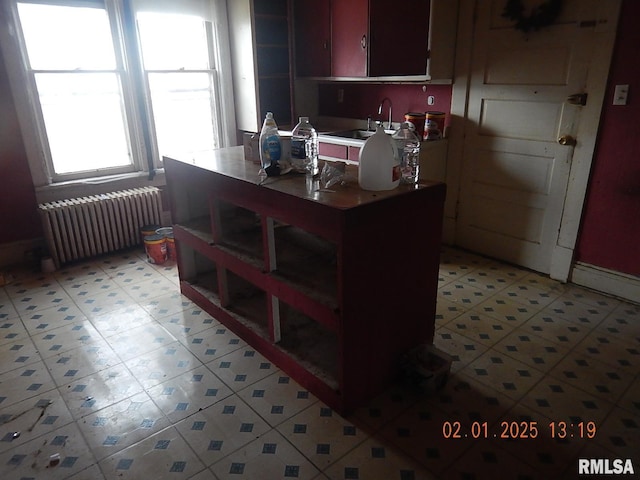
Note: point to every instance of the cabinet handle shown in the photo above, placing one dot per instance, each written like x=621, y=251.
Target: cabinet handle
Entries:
x=363, y=42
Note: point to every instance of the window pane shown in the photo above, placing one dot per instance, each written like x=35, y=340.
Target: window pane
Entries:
x=182, y=112
x=67, y=38
x=84, y=118
x=173, y=42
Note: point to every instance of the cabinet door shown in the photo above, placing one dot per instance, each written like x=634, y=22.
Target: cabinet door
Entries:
x=333, y=151
x=312, y=26
x=443, y=28
x=354, y=153
x=349, y=37
x=398, y=37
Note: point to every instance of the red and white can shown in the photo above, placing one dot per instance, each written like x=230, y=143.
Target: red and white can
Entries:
x=156, y=248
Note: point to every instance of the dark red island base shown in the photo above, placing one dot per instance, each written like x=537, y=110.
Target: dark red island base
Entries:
x=332, y=286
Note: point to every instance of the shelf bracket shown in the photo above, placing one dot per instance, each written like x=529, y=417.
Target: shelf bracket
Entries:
x=214, y=209
x=274, y=319
x=270, y=254
x=223, y=286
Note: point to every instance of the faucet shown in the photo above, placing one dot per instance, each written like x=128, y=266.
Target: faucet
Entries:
x=390, y=107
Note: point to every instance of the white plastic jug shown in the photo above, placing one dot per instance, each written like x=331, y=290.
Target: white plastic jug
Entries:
x=379, y=167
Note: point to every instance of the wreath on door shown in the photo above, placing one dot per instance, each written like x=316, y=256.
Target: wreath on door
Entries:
x=541, y=16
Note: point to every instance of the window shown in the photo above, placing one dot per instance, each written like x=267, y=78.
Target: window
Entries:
x=180, y=82
x=112, y=85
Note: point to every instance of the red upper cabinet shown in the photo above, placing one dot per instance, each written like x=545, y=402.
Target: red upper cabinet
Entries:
x=312, y=25
x=398, y=37
x=349, y=37
x=375, y=38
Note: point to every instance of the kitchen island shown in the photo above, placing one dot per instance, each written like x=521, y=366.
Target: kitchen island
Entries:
x=331, y=285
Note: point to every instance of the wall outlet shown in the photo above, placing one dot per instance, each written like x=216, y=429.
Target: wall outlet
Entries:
x=620, y=95
x=340, y=95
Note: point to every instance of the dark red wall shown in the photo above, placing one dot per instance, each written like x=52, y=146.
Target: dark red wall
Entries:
x=19, y=219
x=363, y=100
x=610, y=235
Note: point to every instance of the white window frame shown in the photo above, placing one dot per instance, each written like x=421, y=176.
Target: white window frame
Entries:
x=213, y=72
x=48, y=186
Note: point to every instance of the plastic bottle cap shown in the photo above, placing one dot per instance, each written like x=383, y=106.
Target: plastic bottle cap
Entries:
x=269, y=115
x=303, y=119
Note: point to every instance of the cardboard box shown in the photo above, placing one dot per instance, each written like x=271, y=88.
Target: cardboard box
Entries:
x=250, y=142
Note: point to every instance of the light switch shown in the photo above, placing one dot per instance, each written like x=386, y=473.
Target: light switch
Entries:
x=431, y=100
x=620, y=95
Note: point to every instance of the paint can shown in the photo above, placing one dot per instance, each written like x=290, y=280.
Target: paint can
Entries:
x=171, y=247
x=146, y=230
x=164, y=231
x=434, y=126
x=167, y=233
x=418, y=120
x=156, y=248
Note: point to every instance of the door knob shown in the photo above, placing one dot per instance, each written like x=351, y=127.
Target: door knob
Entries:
x=567, y=140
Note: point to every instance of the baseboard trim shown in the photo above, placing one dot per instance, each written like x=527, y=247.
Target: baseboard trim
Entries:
x=614, y=283
x=20, y=252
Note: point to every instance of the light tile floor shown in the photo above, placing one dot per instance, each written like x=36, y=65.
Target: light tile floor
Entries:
x=106, y=365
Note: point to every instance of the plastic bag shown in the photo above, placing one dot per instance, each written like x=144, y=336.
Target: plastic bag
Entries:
x=333, y=173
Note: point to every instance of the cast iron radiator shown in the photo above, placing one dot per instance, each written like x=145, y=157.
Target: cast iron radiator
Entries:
x=84, y=227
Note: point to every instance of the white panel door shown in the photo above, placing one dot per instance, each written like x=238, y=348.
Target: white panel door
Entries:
x=514, y=170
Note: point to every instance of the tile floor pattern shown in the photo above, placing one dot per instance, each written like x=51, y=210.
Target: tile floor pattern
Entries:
x=106, y=365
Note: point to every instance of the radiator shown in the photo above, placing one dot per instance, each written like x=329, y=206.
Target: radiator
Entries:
x=84, y=227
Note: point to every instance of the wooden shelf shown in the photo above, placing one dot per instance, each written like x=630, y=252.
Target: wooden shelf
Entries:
x=248, y=304
x=310, y=344
x=308, y=262
x=207, y=285
x=273, y=45
x=240, y=233
x=272, y=16
x=200, y=228
x=199, y=270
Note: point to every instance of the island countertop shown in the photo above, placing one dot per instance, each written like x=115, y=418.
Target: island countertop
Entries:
x=231, y=162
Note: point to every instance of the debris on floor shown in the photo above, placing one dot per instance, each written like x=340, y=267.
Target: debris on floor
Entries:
x=426, y=368
x=54, y=460
x=5, y=279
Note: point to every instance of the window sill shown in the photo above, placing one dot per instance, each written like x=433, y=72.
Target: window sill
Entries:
x=98, y=185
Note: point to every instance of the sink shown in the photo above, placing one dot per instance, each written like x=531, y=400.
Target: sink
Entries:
x=355, y=134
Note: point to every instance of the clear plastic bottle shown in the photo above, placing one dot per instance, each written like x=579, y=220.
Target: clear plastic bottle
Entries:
x=304, y=147
x=379, y=168
x=408, y=150
x=270, y=146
